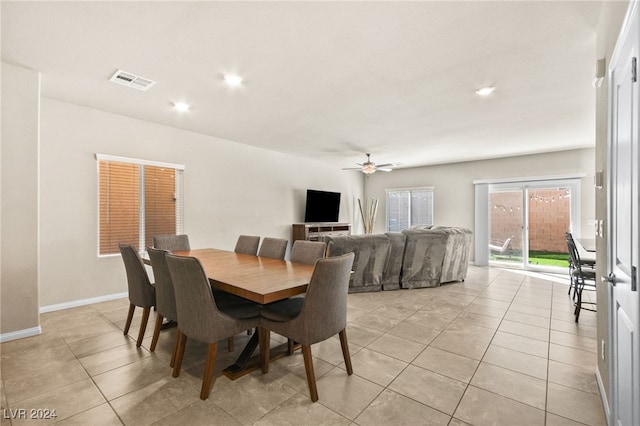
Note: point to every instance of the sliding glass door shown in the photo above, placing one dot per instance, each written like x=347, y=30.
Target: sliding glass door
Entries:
x=506, y=205
x=528, y=222
x=549, y=220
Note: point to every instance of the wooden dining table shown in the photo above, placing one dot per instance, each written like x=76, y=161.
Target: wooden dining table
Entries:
x=259, y=279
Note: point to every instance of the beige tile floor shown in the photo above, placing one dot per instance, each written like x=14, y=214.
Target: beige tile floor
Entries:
x=501, y=348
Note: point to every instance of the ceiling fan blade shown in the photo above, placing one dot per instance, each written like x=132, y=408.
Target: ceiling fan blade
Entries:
x=353, y=168
x=385, y=165
x=383, y=170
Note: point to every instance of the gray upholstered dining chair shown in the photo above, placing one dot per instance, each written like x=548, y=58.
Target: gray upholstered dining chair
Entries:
x=247, y=244
x=200, y=318
x=166, y=299
x=165, y=296
x=171, y=242
x=274, y=248
x=141, y=292
x=317, y=317
x=307, y=252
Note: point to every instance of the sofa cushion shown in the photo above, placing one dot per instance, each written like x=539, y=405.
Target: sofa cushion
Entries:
x=392, y=272
x=456, y=257
x=371, y=255
x=423, y=256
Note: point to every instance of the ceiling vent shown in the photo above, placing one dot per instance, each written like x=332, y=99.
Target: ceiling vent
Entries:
x=131, y=80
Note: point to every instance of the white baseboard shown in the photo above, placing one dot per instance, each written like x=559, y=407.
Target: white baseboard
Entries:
x=603, y=395
x=82, y=302
x=34, y=331
x=20, y=334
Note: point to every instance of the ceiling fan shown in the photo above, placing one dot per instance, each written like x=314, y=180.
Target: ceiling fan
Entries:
x=369, y=167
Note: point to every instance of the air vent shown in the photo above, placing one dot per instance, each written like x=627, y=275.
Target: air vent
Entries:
x=131, y=80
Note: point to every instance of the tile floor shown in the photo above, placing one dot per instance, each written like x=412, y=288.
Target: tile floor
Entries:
x=501, y=348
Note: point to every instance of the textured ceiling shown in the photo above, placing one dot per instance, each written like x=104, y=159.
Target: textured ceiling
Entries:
x=329, y=80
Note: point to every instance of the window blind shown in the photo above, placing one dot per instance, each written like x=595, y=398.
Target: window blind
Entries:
x=409, y=207
x=119, y=205
x=137, y=200
x=159, y=202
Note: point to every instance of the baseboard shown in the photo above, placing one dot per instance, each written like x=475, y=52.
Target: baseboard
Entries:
x=34, y=331
x=603, y=395
x=82, y=302
x=20, y=334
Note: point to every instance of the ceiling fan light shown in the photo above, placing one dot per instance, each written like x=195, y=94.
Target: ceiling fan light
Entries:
x=484, y=91
x=181, y=106
x=232, y=80
x=368, y=169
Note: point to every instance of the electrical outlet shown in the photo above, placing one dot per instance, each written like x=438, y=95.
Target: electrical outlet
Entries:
x=602, y=350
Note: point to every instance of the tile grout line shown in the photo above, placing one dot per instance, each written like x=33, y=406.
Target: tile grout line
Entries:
x=481, y=288
x=411, y=363
x=91, y=377
x=485, y=351
x=546, y=381
x=87, y=373
x=546, y=388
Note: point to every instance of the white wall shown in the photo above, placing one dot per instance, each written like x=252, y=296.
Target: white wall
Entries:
x=20, y=114
x=229, y=189
x=454, y=189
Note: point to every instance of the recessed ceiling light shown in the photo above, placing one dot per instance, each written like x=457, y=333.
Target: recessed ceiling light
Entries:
x=484, y=91
x=232, y=80
x=181, y=106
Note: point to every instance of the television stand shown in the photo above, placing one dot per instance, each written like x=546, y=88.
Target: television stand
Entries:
x=318, y=231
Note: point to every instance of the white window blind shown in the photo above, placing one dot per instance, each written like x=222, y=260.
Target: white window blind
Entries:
x=409, y=207
x=137, y=200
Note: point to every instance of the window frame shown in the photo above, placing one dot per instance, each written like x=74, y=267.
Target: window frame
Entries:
x=179, y=195
x=430, y=189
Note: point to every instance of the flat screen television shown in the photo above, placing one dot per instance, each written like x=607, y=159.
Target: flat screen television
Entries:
x=322, y=206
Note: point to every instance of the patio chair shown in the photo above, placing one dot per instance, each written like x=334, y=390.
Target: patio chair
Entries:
x=505, y=248
x=582, y=278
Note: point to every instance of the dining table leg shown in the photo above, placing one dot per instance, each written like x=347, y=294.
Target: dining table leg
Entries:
x=246, y=362
x=239, y=368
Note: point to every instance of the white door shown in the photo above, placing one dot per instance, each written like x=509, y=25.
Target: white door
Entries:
x=623, y=226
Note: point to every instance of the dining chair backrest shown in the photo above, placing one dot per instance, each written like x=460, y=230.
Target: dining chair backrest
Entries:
x=172, y=242
x=324, y=312
x=581, y=279
x=198, y=315
x=274, y=248
x=141, y=292
x=307, y=252
x=576, y=263
x=247, y=244
x=574, y=255
x=165, y=295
